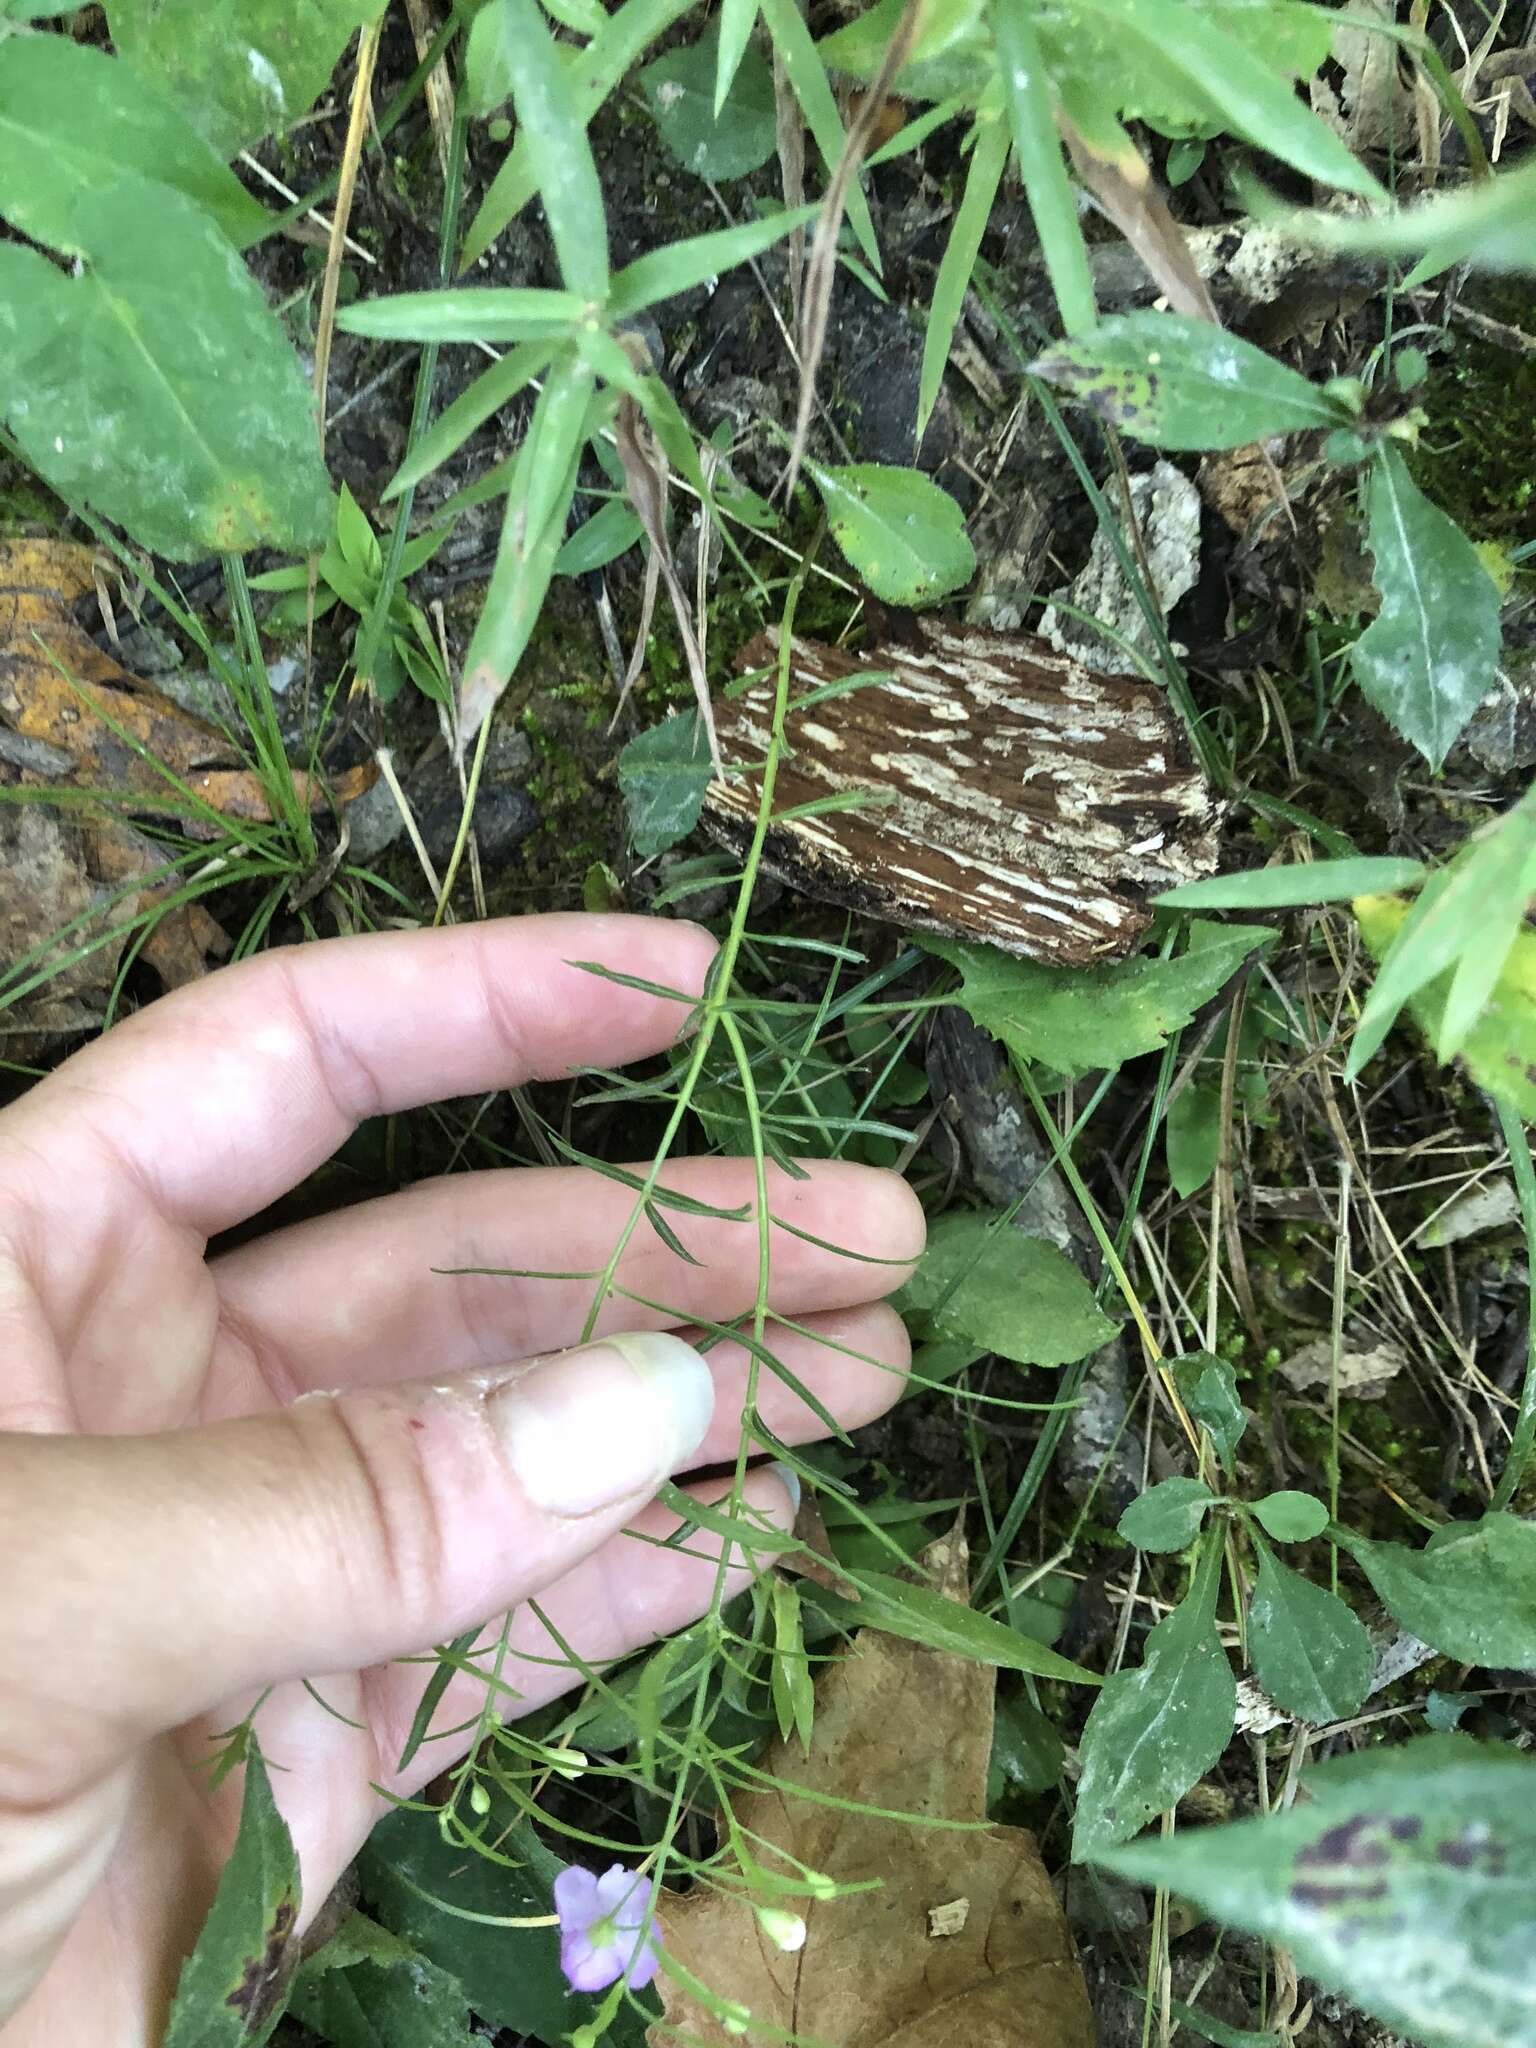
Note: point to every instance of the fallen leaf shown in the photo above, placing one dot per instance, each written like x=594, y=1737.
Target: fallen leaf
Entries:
x=1366, y=1374
x=909, y=1730
x=58, y=687
x=44, y=887
x=1493, y=1206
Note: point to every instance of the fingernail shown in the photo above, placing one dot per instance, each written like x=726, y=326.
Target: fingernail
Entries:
x=789, y=1479
x=590, y=1428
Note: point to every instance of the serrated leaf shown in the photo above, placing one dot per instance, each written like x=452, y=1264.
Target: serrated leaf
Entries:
x=905, y=536
x=1291, y=1517
x=234, y=1985
x=1208, y=1388
x=1295, y=885
x=1168, y=1516
x=1310, y=1652
x=196, y=435
x=1470, y=1593
x=1080, y=1019
x=1179, y=383
x=241, y=68
x=1404, y=1881
x=1155, y=1731
x=1430, y=656
x=72, y=119
x=663, y=775
x=679, y=89
x=1018, y=1296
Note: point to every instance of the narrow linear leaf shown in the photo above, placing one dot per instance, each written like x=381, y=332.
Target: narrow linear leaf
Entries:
x=679, y=266
x=475, y=404
x=1293, y=887
x=555, y=136
x=1429, y=658
x=921, y=1615
x=983, y=176
x=612, y=531
x=1403, y=1881
x=1027, y=94
x=806, y=71
x=1487, y=224
x=466, y=313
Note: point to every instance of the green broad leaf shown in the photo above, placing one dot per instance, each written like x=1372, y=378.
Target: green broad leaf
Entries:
x=1291, y=1517
x=1470, y=1593
x=451, y=1904
x=196, y=436
x=903, y=535
x=1295, y=885
x=1309, y=1652
x=612, y=531
x=983, y=1281
x=1499, y=1048
x=918, y=1614
x=679, y=266
x=1168, y=1516
x=1210, y=63
x=1403, y=1881
x=1208, y=1388
x=554, y=131
x=983, y=176
x=467, y=313
x=234, y=1985
x=1052, y=200
x=242, y=68
x=595, y=73
x=1179, y=383
x=72, y=119
x=1430, y=656
x=1156, y=1731
x=475, y=404
x=679, y=89
x=369, y=1989
x=1079, y=1020
x=1027, y=1752
x=1192, y=1136
x=663, y=775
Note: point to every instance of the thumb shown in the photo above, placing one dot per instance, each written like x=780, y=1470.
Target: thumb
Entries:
x=156, y=1575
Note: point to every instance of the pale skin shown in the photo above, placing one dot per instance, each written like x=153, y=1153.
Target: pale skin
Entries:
x=299, y=1459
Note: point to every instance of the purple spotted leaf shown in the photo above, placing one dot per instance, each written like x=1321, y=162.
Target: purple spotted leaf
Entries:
x=1404, y=1882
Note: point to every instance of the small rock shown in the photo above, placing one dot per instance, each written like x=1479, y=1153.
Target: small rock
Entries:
x=1167, y=508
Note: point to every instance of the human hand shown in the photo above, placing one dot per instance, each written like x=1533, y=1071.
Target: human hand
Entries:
x=313, y=1454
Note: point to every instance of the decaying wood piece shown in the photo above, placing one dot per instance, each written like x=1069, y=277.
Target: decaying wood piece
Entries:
x=1001, y=791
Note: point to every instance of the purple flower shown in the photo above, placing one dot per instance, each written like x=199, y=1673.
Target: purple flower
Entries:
x=605, y=1928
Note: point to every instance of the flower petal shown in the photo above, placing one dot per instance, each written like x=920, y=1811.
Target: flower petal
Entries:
x=644, y=1964
x=576, y=1897
x=587, y=1968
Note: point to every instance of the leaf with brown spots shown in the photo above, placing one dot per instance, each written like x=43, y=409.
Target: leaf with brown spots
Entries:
x=235, y=1983
x=1404, y=1881
x=909, y=1730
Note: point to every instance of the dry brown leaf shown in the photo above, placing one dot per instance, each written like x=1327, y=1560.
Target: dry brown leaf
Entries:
x=908, y=1729
x=59, y=687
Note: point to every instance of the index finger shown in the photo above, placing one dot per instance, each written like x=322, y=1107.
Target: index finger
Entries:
x=219, y=1098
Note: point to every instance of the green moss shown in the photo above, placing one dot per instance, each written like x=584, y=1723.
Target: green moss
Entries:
x=1474, y=459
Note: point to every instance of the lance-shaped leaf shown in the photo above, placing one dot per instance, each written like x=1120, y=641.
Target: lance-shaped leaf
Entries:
x=1429, y=658
x=1404, y=1881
